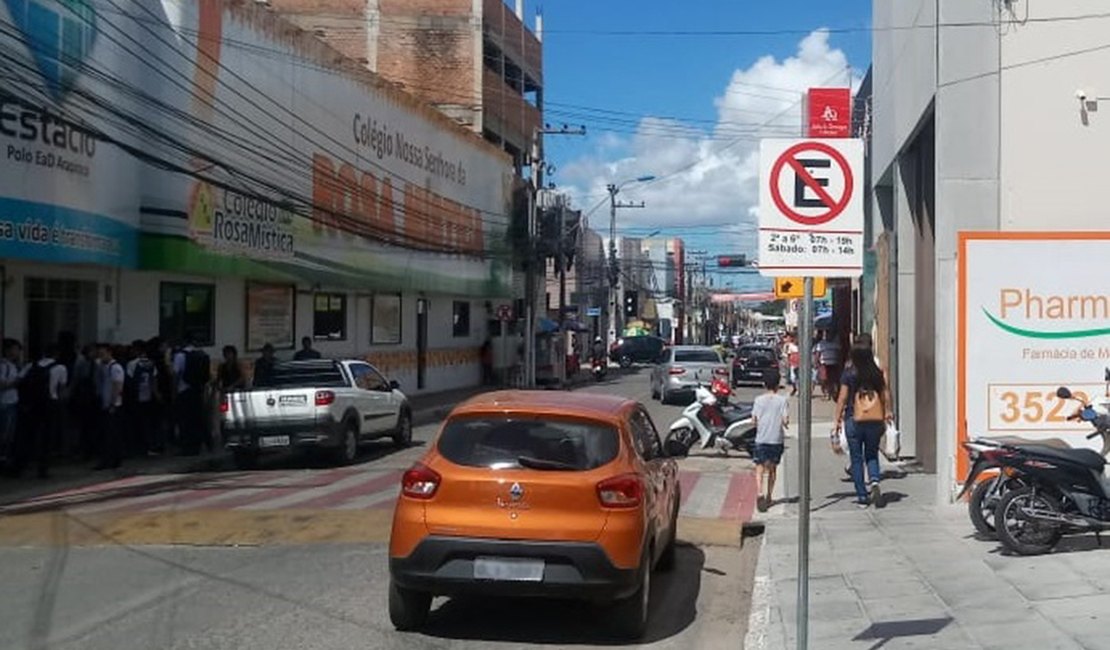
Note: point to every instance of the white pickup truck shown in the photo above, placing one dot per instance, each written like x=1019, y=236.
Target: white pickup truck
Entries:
x=322, y=404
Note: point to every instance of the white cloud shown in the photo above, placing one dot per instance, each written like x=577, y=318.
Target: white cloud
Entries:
x=708, y=176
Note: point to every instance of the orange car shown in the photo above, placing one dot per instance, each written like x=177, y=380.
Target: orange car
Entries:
x=525, y=493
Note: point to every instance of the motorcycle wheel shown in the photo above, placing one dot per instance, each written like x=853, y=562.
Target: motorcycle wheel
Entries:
x=625, y=361
x=1016, y=532
x=679, y=441
x=981, y=507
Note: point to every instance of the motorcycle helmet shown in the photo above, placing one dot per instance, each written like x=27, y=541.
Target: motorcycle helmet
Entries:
x=720, y=389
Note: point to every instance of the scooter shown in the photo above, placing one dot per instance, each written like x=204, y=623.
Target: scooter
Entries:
x=1066, y=492
x=599, y=368
x=711, y=421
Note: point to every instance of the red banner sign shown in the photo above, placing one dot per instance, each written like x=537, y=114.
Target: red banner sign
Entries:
x=830, y=113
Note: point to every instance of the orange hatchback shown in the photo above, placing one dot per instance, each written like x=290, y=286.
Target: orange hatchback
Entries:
x=526, y=493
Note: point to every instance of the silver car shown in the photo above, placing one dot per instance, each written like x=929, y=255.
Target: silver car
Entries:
x=680, y=369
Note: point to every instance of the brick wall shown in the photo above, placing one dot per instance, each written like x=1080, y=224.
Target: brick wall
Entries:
x=342, y=23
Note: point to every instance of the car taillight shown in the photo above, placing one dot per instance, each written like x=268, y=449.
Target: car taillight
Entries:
x=324, y=397
x=677, y=370
x=624, y=491
x=225, y=404
x=721, y=371
x=420, y=482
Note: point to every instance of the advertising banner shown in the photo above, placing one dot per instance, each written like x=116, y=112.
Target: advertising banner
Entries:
x=270, y=316
x=66, y=194
x=1033, y=315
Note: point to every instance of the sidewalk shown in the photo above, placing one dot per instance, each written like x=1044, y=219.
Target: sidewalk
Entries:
x=71, y=474
x=912, y=574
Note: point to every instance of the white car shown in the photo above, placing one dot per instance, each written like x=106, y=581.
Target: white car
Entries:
x=322, y=404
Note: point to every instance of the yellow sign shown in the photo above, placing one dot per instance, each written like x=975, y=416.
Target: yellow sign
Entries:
x=795, y=287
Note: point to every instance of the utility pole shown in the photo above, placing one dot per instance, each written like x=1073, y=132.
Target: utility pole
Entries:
x=538, y=167
x=614, y=265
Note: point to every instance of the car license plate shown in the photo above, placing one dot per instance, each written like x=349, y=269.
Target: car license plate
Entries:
x=293, y=400
x=273, y=441
x=509, y=569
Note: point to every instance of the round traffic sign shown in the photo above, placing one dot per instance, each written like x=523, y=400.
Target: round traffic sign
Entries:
x=832, y=206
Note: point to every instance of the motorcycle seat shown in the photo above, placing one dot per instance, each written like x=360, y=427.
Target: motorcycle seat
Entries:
x=1084, y=457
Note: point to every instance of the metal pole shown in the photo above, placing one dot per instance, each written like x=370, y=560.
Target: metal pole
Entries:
x=805, y=438
x=529, y=334
x=613, y=274
x=561, y=261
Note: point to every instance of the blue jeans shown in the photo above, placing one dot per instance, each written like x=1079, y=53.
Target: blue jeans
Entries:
x=863, y=447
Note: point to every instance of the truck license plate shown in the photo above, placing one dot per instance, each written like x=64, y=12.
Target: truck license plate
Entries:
x=509, y=569
x=293, y=400
x=273, y=441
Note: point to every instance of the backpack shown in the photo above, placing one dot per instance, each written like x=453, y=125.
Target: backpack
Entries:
x=198, y=369
x=867, y=406
x=34, y=389
x=141, y=382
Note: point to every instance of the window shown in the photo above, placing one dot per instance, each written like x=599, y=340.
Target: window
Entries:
x=645, y=437
x=329, y=316
x=367, y=378
x=317, y=374
x=461, y=318
x=528, y=441
x=385, y=319
x=187, y=310
x=697, y=356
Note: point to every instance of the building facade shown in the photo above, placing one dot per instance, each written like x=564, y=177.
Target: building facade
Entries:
x=260, y=189
x=986, y=136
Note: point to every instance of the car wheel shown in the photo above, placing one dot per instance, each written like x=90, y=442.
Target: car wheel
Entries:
x=348, y=448
x=625, y=361
x=402, y=437
x=408, y=609
x=654, y=391
x=630, y=615
x=667, y=559
x=244, y=459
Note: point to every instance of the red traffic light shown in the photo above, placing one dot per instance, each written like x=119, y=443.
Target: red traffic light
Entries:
x=732, y=260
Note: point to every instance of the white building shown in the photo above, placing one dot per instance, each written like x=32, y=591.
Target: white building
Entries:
x=985, y=118
x=261, y=189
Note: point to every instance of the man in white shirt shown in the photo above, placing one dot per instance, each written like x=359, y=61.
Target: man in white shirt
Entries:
x=42, y=388
x=9, y=395
x=111, y=404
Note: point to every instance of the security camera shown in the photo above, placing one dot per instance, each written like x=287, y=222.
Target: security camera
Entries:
x=1081, y=95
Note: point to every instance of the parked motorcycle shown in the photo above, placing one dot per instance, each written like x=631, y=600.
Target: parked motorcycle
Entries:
x=1066, y=490
x=711, y=421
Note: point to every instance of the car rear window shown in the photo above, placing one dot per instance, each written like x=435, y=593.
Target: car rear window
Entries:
x=697, y=356
x=535, y=443
x=302, y=376
x=749, y=353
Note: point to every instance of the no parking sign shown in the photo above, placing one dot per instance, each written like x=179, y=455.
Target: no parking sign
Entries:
x=811, y=208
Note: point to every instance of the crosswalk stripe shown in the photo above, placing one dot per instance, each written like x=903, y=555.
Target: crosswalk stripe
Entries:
x=77, y=496
x=331, y=499
x=687, y=481
x=306, y=481
x=184, y=493
x=379, y=499
x=262, y=487
x=301, y=498
x=707, y=496
x=740, y=498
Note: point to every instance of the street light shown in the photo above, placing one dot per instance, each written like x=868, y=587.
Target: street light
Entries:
x=614, y=271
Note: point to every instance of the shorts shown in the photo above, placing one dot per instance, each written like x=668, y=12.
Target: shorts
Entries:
x=768, y=454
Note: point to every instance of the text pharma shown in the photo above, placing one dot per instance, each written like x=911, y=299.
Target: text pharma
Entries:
x=351, y=201
x=1032, y=306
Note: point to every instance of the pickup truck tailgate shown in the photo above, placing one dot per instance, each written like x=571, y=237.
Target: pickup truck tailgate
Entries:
x=260, y=408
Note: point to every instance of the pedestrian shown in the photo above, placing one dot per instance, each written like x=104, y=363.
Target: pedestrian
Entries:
x=264, y=367
x=112, y=377
x=85, y=402
x=229, y=376
x=486, y=357
x=142, y=399
x=827, y=355
x=793, y=362
x=193, y=370
x=41, y=390
x=306, y=353
x=862, y=413
x=159, y=352
x=770, y=411
x=9, y=397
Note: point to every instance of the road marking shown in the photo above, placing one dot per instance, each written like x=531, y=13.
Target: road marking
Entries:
x=183, y=492
x=707, y=497
x=272, y=485
x=97, y=491
x=376, y=484
x=317, y=494
x=687, y=481
x=740, y=499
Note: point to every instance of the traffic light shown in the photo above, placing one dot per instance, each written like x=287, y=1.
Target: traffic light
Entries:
x=631, y=304
x=732, y=260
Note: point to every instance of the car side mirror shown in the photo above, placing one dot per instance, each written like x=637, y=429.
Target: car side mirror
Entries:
x=394, y=384
x=1063, y=392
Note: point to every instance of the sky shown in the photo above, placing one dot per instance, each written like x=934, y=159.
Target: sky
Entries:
x=687, y=108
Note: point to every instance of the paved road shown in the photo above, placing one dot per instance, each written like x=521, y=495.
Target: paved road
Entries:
x=294, y=557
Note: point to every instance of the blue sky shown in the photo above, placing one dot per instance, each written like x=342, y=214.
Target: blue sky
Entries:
x=726, y=92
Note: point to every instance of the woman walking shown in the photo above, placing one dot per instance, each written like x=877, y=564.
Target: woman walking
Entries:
x=861, y=413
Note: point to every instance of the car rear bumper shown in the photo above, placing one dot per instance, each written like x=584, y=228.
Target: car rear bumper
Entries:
x=300, y=435
x=580, y=570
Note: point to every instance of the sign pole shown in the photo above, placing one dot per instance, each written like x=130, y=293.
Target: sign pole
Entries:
x=805, y=439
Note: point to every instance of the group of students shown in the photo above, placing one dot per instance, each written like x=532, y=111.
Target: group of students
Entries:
x=863, y=410
x=108, y=402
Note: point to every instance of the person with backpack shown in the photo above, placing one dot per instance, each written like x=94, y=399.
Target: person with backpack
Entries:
x=110, y=391
x=9, y=398
x=862, y=410
x=41, y=392
x=142, y=395
x=193, y=369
